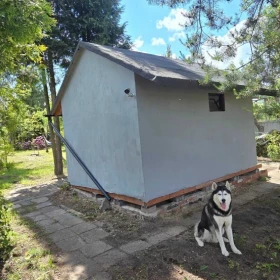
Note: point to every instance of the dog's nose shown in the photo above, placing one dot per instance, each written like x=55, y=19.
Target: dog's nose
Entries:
x=223, y=200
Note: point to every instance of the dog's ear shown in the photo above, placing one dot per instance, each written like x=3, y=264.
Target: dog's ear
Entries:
x=214, y=186
x=228, y=185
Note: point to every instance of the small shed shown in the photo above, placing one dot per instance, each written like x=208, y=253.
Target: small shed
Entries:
x=146, y=129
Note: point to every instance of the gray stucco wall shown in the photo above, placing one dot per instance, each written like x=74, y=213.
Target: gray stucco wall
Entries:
x=101, y=124
x=270, y=125
x=184, y=144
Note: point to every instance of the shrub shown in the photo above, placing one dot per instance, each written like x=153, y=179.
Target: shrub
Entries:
x=39, y=142
x=271, y=148
x=5, y=229
x=26, y=145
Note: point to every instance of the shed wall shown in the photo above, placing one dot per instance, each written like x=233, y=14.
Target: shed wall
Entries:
x=270, y=125
x=184, y=144
x=101, y=124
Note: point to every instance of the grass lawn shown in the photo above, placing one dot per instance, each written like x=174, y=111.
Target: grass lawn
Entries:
x=30, y=258
x=28, y=169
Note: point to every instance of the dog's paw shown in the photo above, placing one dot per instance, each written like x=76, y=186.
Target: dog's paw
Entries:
x=236, y=251
x=199, y=242
x=225, y=253
x=225, y=239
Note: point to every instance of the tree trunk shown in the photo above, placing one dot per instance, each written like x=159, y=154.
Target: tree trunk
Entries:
x=44, y=81
x=59, y=170
x=257, y=124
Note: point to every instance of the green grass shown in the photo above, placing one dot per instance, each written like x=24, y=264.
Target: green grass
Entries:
x=28, y=169
x=31, y=258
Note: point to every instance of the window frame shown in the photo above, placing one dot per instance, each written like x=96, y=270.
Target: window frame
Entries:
x=221, y=107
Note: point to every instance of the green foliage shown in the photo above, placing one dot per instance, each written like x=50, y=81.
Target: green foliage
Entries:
x=32, y=126
x=271, y=148
x=5, y=229
x=269, y=110
x=23, y=23
x=268, y=267
x=5, y=149
x=260, y=30
x=95, y=21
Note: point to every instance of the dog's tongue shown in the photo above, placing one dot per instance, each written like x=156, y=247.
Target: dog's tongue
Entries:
x=223, y=205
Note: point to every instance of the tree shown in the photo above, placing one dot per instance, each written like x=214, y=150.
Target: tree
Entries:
x=168, y=51
x=91, y=21
x=23, y=24
x=260, y=30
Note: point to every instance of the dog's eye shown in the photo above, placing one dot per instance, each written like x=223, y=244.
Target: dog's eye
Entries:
x=225, y=193
x=219, y=194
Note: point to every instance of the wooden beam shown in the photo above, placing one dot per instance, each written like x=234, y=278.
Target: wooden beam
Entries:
x=174, y=194
x=113, y=195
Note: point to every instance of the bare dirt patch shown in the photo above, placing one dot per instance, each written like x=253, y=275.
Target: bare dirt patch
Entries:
x=256, y=233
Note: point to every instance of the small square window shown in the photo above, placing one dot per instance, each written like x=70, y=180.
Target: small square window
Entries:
x=216, y=102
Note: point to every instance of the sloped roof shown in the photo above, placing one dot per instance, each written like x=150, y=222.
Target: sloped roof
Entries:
x=152, y=67
x=155, y=68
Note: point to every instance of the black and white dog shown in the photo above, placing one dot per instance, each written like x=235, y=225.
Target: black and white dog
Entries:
x=216, y=218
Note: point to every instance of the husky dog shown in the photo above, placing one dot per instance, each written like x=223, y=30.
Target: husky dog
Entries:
x=216, y=218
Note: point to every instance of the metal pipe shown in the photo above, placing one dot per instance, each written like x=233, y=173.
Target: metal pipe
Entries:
x=79, y=161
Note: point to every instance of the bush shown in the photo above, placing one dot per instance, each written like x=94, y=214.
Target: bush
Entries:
x=271, y=148
x=5, y=229
x=39, y=142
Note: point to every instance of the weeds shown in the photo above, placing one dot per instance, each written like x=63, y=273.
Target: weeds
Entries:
x=268, y=267
x=233, y=264
x=5, y=229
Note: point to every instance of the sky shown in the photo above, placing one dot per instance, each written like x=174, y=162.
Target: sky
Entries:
x=153, y=27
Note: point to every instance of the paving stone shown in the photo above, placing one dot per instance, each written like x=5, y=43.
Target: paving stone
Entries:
x=61, y=235
x=109, y=258
x=25, y=202
x=93, y=235
x=175, y=230
x=49, y=209
x=71, y=222
x=81, y=265
x=55, y=212
x=135, y=246
x=39, y=218
x=44, y=204
x=70, y=244
x=16, y=206
x=63, y=216
x=157, y=238
x=102, y=276
x=83, y=227
x=46, y=222
x=32, y=214
x=95, y=248
x=51, y=228
x=40, y=200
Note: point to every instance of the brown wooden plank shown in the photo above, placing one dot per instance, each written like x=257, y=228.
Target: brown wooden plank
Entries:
x=171, y=195
x=113, y=195
x=58, y=110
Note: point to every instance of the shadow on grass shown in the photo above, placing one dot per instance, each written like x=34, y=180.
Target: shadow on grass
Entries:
x=13, y=175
